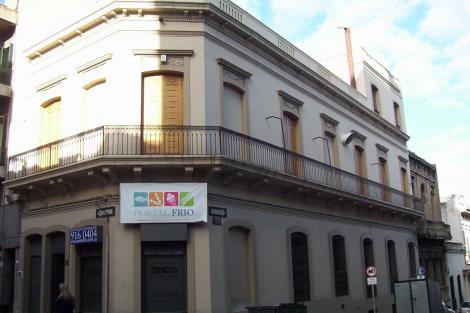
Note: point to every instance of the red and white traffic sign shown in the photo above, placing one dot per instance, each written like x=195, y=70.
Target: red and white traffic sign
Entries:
x=371, y=271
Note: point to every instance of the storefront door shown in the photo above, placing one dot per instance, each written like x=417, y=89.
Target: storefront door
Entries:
x=90, y=278
x=163, y=277
x=35, y=285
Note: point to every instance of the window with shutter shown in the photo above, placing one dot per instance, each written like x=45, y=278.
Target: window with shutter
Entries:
x=340, y=267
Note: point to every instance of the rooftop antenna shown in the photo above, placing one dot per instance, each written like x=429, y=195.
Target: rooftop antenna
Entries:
x=347, y=35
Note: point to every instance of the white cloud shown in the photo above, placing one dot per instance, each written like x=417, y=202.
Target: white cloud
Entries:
x=451, y=152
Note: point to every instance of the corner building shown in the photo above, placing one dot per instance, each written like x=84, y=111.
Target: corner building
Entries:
x=307, y=176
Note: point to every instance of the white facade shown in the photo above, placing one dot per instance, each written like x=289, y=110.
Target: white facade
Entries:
x=456, y=213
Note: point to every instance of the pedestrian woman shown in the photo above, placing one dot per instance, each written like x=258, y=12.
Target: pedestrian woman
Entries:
x=65, y=302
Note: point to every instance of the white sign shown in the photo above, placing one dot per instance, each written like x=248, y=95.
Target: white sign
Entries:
x=163, y=202
x=371, y=281
x=371, y=271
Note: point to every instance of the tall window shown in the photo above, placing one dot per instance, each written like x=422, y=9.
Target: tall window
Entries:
x=238, y=268
x=340, y=267
x=459, y=288
x=452, y=293
x=375, y=99
x=233, y=108
x=412, y=259
x=423, y=193
x=94, y=109
x=367, y=246
x=50, y=121
x=332, y=153
x=360, y=168
x=413, y=185
x=404, y=179
x=162, y=105
x=392, y=264
x=383, y=177
x=290, y=131
x=396, y=109
x=300, y=268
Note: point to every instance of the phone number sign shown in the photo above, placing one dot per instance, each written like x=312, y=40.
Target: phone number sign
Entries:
x=87, y=234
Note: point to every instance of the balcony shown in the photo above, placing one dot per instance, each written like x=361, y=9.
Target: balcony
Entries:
x=205, y=145
x=433, y=230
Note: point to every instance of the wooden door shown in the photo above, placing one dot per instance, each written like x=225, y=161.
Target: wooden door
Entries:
x=50, y=131
x=163, y=105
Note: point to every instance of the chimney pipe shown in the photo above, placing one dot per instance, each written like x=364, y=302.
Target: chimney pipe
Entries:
x=352, y=77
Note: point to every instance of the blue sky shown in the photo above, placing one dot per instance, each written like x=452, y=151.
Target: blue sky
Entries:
x=424, y=43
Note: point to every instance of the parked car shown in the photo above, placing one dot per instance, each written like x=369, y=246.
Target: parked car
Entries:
x=465, y=307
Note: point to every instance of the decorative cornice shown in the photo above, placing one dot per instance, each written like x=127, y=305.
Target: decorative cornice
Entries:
x=358, y=135
x=403, y=159
x=329, y=119
x=233, y=68
x=95, y=63
x=51, y=83
x=162, y=52
x=290, y=98
x=381, y=148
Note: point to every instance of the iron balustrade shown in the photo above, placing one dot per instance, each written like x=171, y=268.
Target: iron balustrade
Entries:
x=208, y=141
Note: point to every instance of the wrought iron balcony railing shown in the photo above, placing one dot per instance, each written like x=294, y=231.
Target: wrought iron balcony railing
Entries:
x=208, y=141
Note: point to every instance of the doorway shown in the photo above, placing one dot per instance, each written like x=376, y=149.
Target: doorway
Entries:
x=91, y=273
x=164, y=277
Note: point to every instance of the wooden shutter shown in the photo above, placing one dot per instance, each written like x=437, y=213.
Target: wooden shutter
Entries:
x=51, y=122
x=232, y=109
x=290, y=132
x=163, y=105
x=172, y=100
x=50, y=131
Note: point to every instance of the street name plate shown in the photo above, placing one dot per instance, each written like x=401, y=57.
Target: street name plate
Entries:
x=371, y=280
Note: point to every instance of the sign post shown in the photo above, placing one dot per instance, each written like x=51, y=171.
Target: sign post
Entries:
x=371, y=273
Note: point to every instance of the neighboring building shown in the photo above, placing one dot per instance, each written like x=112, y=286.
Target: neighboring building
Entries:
x=9, y=212
x=201, y=93
x=456, y=213
x=432, y=231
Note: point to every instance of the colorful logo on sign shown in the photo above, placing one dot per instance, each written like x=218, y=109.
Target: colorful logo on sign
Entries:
x=140, y=199
x=167, y=199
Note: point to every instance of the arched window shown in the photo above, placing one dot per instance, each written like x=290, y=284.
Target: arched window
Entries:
x=340, y=267
x=368, y=249
x=50, y=120
x=392, y=264
x=412, y=259
x=162, y=105
x=239, y=261
x=300, y=268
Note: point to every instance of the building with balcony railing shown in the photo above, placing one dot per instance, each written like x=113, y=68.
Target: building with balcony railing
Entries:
x=183, y=157
x=432, y=231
